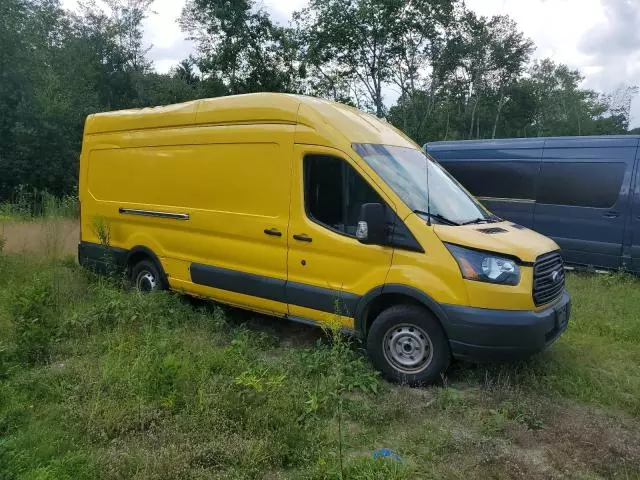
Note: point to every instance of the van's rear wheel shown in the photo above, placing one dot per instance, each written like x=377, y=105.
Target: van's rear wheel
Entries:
x=146, y=277
x=408, y=345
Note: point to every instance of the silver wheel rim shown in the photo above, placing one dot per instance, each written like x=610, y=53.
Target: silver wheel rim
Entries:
x=408, y=348
x=146, y=282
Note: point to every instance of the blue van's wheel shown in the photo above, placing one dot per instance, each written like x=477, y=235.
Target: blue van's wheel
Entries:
x=409, y=346
x=146, y=277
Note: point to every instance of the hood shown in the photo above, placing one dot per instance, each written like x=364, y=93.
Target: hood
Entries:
x=504, y=237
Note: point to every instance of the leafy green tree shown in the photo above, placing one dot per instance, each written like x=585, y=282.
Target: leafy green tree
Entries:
x=363, y=40
x=427, y=56
x=33, y=139
x=239, y=47
x=470, y=79
x=563, y=108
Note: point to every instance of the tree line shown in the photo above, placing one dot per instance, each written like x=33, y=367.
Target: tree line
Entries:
x=433, y=68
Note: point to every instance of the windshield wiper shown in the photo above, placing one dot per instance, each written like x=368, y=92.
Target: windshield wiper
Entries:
x=492, y=219
x=476, y=220
x=437, y=216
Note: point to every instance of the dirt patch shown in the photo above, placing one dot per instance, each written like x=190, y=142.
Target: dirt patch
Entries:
x=585, y=436
x=580, y=439
x=52, y=237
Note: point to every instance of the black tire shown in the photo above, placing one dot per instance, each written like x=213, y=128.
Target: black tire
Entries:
x=146, y=277
x=407, y=344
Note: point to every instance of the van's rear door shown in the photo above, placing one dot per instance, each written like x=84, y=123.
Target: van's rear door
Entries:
x=582, y=198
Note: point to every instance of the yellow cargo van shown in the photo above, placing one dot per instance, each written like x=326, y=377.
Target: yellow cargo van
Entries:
x=310, y=210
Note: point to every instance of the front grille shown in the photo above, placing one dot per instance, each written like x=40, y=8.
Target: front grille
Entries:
x=548, y=278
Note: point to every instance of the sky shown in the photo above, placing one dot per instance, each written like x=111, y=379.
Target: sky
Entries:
x=599, y=37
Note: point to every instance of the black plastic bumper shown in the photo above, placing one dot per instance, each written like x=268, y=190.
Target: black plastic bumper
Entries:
x=483, y=334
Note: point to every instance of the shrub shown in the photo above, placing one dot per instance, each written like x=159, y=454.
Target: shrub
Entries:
x=111, y=306
x=34, y=313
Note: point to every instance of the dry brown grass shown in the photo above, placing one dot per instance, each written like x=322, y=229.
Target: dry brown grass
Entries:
x=51, y=237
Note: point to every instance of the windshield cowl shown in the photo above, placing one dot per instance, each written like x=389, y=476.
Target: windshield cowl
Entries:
x=435, y=218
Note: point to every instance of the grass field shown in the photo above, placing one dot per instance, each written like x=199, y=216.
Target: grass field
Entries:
x=99, y=382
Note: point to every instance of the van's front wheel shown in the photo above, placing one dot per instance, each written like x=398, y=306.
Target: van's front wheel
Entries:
x=408, y=345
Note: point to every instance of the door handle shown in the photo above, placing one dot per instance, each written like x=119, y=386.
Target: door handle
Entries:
x=274, y=232
x=303, y=238
x=611, y=215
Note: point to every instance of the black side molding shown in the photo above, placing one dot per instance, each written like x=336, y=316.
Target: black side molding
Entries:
x=238, y=282
x=308, y=296
x=101, y=258
x=323, y=299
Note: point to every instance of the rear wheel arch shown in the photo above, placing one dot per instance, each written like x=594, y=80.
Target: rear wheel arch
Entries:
x=139, y=253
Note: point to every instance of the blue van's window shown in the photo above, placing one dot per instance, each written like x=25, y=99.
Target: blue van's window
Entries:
x=582, y=184
x=496, y=179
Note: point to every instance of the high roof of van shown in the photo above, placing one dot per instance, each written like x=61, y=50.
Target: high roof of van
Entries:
x=538, y=142
x=333, y=119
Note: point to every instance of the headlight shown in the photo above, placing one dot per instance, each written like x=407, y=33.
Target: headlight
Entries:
x=485, y=267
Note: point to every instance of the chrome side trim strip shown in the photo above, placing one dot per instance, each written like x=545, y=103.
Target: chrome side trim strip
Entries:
x=153, y=213
x=507, y=200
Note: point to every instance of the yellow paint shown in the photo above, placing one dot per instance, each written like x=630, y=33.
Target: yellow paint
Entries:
x=234, y=165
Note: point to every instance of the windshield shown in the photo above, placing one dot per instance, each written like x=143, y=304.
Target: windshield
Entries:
x=405, y=171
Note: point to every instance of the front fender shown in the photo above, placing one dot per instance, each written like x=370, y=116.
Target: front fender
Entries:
x=417, y=295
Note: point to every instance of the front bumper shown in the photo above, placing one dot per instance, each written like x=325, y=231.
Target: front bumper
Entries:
x=483, y=334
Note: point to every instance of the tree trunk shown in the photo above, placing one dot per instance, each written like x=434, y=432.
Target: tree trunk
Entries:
x=379, y=103
x=495, y=123
x=473, y=117
x=579, y=122
x=446, y=132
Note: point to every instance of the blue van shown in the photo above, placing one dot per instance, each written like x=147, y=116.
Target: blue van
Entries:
x=584, y=192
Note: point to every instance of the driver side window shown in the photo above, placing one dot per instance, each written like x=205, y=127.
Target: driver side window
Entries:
x=334, y=192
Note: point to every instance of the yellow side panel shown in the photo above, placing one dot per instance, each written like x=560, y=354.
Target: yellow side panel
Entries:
x=231, y=191
x=220, y=178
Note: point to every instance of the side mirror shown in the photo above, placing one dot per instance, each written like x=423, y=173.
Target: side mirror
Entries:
x=371, y=225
